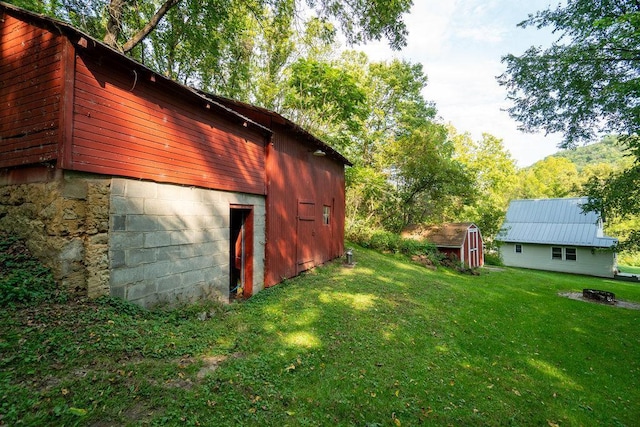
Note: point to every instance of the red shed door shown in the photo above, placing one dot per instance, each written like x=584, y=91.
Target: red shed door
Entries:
x=473, y=238
x=306, y=234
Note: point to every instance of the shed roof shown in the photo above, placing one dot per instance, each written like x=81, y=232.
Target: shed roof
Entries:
x=553, y=221
x=448, y=235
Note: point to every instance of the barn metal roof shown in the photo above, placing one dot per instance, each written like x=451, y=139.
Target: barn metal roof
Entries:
x=553, y=221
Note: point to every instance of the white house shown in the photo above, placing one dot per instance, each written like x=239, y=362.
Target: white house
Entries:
x=555, y=235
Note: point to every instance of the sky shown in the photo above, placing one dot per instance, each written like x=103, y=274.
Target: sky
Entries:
x=460, y=44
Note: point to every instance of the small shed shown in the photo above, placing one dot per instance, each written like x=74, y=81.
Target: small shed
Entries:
x=556, y=235
x=130, y=184
x=461, y=240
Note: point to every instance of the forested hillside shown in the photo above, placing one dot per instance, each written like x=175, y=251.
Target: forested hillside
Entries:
x=607, y=151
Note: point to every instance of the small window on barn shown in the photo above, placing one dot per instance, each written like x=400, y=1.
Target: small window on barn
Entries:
x=570, y=254
x=518, y=249
x=326, y=215
x=556, y=253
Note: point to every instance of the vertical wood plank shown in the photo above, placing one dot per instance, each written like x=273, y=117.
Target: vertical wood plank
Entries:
x=68, y=62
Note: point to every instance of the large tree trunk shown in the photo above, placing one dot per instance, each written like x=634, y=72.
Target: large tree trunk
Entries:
x=114, y=22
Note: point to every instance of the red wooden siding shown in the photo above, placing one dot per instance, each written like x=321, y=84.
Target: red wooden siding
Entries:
x=127, y=124
x=31, y=76
x=299, y=186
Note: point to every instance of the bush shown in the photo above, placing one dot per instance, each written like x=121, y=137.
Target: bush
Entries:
x=23, y=279
x=385, y=241
x=493, y=258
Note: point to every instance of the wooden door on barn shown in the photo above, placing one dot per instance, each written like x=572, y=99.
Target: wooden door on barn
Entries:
x=306, y=234
x=241, y=251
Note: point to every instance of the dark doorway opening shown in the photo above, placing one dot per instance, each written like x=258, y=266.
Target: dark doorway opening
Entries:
x=241, y=252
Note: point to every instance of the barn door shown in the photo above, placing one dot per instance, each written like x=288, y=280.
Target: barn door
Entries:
x=306, y=234
x=241, y=251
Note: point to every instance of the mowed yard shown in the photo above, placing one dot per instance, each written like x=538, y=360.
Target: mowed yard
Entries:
x=387, y=343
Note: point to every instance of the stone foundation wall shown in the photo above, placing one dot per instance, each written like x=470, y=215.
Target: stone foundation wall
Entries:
x=145, y=242
x=65, y=223
x=171, y=244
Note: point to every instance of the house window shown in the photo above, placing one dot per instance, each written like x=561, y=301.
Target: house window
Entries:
x=326, y=215
x=570, y=254
x=556, y=253
x=518, y=249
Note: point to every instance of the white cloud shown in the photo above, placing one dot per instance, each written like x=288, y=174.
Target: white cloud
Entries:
x=460, y=44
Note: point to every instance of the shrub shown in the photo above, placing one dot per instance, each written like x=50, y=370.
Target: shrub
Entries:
x=493, y=258
x=385, y=241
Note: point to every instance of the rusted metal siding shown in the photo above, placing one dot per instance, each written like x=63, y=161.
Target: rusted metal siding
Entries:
x=31, y=79
x=126, y=123
x=299, y=186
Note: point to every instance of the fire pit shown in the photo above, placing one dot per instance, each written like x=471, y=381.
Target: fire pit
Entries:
x=600, y=296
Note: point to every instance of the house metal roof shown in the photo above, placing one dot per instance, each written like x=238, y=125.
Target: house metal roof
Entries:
x=553, y=221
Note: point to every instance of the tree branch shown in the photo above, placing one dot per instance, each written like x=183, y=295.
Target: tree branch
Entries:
x=153, y=22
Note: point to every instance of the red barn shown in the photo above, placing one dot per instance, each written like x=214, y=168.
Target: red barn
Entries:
x=130, y=184
x=460, y=240
x=305, y=196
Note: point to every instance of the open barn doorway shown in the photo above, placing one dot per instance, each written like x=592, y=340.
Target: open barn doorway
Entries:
x=241, y=252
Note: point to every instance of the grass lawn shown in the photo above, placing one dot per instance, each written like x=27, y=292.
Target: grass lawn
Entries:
x=629, y=269
x=387, y=343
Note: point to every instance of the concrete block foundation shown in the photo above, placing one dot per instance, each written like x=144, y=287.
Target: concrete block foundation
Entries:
x=146, y=242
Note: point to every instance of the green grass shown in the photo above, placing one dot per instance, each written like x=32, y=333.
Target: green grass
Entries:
x=386, y=343
x=629, y=269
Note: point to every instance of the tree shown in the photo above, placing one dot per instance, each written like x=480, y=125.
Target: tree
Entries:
x=124, y=24
x=375, y=113
x=493, y=172
x=426, y=177
x=587, y=83
x=328, y=99
x=553, y=177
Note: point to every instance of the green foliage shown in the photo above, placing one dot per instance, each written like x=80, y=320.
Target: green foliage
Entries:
x=494, y=176
x=629, y=262
x=385, y=241
x=319, y=88
x=553, y=177
x=493, y=258
x=218, y=44
x=587, y=81
x=607, y=151
x=425, y=175
x=23, y=279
